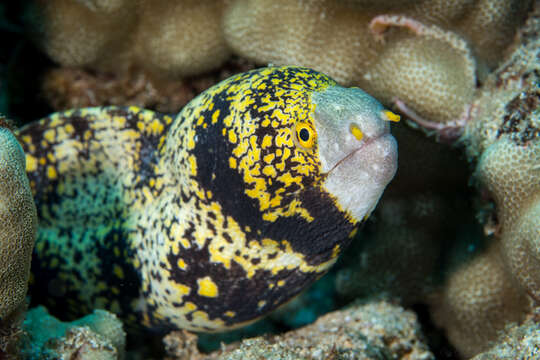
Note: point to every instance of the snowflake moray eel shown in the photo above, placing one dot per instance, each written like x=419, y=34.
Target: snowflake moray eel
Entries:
x=210, y=219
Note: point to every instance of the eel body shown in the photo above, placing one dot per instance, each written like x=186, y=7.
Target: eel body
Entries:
x=209, y=219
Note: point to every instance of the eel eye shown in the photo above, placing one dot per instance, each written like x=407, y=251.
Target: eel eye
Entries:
x=305, y=135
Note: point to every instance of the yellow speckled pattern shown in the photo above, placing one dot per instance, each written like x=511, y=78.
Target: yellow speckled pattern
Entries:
x=83, y=167
x=205, y=221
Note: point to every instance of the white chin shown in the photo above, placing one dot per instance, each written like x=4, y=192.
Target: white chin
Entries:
x=359, y=180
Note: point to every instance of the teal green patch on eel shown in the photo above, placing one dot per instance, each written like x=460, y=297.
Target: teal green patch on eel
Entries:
x=211, y=219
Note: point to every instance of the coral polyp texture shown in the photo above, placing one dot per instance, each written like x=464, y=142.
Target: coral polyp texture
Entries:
x=506, y=132
x=425, y=56
x=503, y=139
x=432, y=49
x=424, y=247
x=213, y=218
x=478, y=301
x=76, y=33
x=179, y=38
x=436, y=61
x=331, y=39
x=510, y=172
x=18, y=222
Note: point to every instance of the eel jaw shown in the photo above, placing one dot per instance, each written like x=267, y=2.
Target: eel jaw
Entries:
x=357, y=152
x=358, y=180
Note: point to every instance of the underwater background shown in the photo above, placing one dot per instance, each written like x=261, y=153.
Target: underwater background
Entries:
x=448, y=264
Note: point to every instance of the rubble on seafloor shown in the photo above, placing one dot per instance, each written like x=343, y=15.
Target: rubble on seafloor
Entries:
x=517, y=342
x=97, y=336
x=69, y=88
x=377, y=330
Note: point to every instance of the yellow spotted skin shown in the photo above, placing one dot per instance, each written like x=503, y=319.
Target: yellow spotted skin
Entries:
x=205, y=221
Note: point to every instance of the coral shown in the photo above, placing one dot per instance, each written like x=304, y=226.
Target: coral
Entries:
x=477, y=302
x=510, y=172
x=18, y=219
x=330, y=39
x=429, y=48
x=180, y=38
x=96, y=336
x=517, y=343
x=170, y=38
x=485, y=289
x=490, y=26
x=503, y=139
x=18, y=222
x=79, y=33
x=388, y=48
x=103, y=6
x=432, y=56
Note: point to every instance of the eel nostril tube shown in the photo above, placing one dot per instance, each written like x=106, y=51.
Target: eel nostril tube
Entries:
x=355, y=130
x=387, y=115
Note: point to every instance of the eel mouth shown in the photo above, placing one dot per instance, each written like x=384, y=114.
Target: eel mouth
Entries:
x=359, y=178
x=372, y=150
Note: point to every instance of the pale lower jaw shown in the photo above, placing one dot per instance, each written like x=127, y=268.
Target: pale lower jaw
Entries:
x=380, y=155
x=359, y=179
